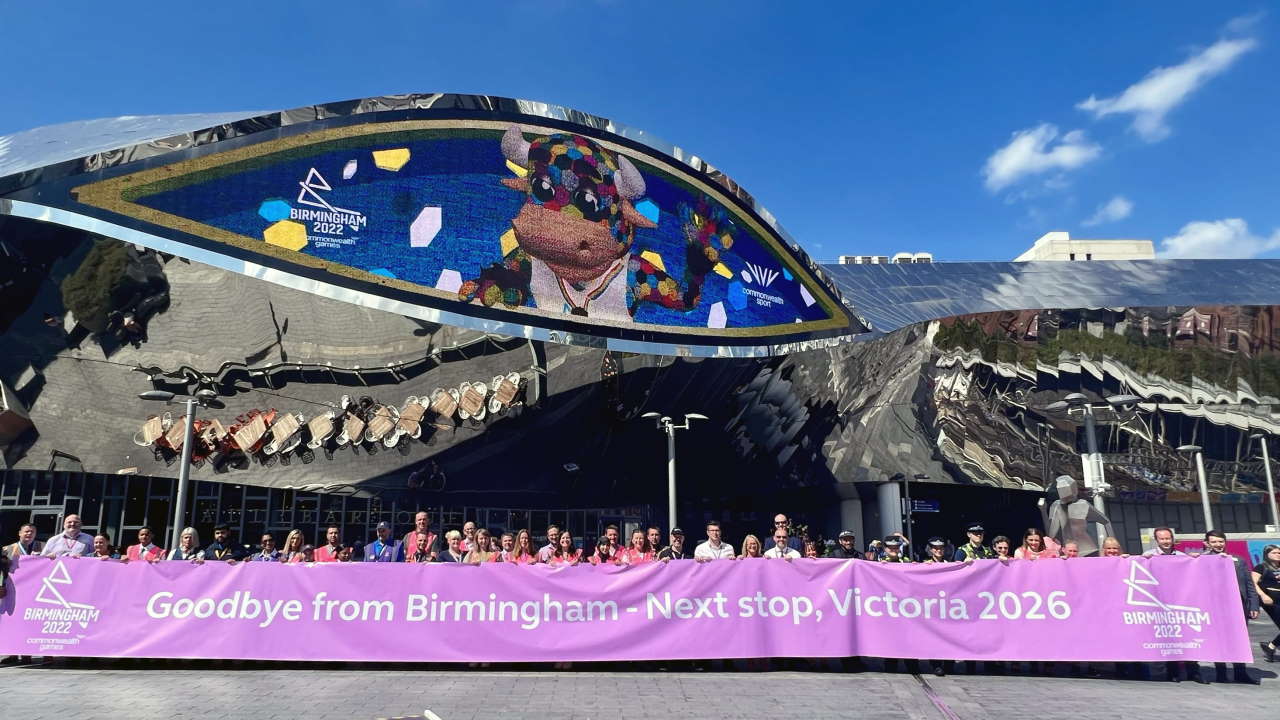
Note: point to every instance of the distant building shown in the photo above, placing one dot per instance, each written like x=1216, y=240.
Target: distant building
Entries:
x=1061, y=246
x=902, y=258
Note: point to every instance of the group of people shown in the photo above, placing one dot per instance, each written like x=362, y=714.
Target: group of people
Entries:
x=1259, y=587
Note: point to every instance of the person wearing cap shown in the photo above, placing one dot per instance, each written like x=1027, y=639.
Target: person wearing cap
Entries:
x=384, y=548
x=936, y=550
x=675, y=550
x=974, y=549
x=845, y=548
x=893, y=551
x=781, y=547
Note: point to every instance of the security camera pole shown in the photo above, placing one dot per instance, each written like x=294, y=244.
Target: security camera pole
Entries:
x=662, y=422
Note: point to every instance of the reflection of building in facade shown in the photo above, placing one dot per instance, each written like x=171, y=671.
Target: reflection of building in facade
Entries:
x=826, y=385
x=1061, y=246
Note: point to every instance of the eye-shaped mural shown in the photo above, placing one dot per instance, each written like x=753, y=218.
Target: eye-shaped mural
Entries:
x=514, y=221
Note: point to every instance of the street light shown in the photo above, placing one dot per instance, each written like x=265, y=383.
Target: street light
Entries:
x=1204, y=487
x=1091, y=461
x=1271, y=488
x=207, y=398
x=662, y=422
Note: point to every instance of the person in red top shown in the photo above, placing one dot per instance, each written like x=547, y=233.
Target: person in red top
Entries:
x=640, y=551
x=603, y=554
x=420, y=529
x=565, y=553
x=523, y=553
x=145, y=550
x=329, y=553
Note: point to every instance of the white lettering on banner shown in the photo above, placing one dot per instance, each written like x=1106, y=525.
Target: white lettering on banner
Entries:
x=240, y=606
x=890, y=605
x=530, y=614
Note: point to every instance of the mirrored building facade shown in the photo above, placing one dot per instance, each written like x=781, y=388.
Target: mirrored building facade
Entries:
x=129, y=263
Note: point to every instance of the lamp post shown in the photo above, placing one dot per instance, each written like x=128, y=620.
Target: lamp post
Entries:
x=203, y=397
x=1271, y=488
x=1204, y=486
x=1091, y=460
x=662, y=422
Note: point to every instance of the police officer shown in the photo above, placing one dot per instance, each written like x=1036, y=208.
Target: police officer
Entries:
x=1215, y=543
x=974, y=549
x=936, y=550
x=893, y=551
x=846, y=548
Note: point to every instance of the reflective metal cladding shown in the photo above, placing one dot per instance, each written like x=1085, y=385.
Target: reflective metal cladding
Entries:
x=484, y=212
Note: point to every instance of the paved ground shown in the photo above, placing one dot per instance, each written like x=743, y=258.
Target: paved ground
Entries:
x=112, y=689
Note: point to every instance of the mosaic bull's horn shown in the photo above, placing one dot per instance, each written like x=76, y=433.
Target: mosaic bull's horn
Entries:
x=514, y=147
x=628, y=180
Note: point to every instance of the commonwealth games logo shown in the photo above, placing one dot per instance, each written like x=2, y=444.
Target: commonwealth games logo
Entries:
x=63, y=610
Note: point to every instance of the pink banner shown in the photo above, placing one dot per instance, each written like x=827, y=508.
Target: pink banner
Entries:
x=1139, y=609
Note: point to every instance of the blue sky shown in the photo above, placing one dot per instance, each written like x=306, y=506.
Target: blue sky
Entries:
x=964, y=129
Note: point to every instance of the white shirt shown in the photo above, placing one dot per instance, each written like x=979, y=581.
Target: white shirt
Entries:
x=60, y=544
x=786, y=553
x=706, y=550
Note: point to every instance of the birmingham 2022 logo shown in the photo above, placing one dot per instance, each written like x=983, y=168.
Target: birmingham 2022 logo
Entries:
x=1166, y=619
x=57, y=615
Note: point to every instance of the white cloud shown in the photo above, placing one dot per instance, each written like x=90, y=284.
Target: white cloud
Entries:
x=1037, y=150
x=1117, y=208
x=1228, y=238
x=1150, y=99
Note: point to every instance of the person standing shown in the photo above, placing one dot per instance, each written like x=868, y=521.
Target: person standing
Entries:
x=781, y=546
x=1000, y=546
x=421, y=528
x=26, y=544
x=603, y=554
x=1035, y=545
x=614, y=536
x=553, y=539
x=222, y=548
x=102, y=548
x=566, y=552
x=1111, y=547
x=751, y=547
x=333, y=545
x=506, y=546
x=453, y=551
x=974, y=549
x=675, y=549
x=267, y=551
x=846, y=547
x=713, y=548
x=893, y=551
x=145, y=550
x=468, y=536
x=482, y=550
x=1266, y=581
x=188, y=547
x=1215, y=542
x=936, y=550
x=654, y=535
x=293, y=544
x=1070, y=549
x=639, y=551
x=70, y=542
x=422, y=553
x=523, y=554
x=383, y=548
x=1165, y=547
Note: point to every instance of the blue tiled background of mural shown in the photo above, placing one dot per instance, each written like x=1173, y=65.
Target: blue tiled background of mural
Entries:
x=462, y=177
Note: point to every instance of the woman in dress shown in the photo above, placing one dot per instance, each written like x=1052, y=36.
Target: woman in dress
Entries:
x=1036, y=545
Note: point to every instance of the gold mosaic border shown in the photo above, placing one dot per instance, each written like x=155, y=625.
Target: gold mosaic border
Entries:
x=116, y=195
